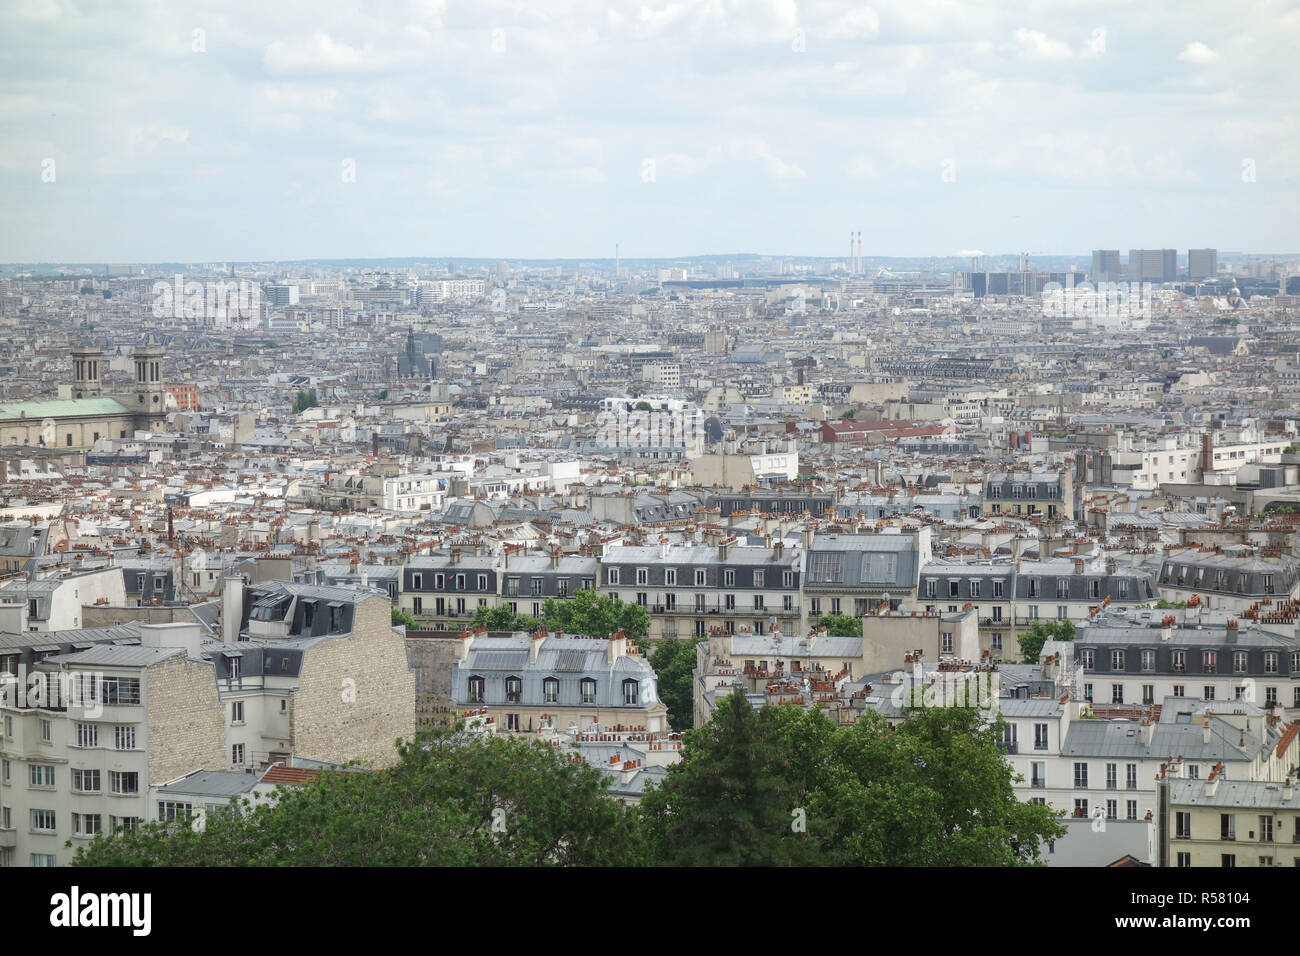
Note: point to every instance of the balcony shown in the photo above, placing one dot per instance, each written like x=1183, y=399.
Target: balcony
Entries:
x=1009, y=746
x=1038, y=783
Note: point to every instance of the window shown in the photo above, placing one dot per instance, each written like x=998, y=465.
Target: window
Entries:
x=1227, y=826
x=1062, y=612
x=513, y=722
x=728, y=579
x=588, y=691
x=642, y=576
x=997, y=589
x=169, y=810
x=1040, y=736
x=236, y=755
x=514, y=689
x=123, y=738
x=47, y=728
x=670, y=577
x=997, y=640
x=760, y=579
x=551, y=690
x=1112, y=776
x=85, y=781
x=117, y=824
x=85, y=824
x=1081, y=776
x=1209, y=660
x=122, y=782
x=43, y=820
x=835, y=605
x=1088, y=658
x=1207, y=692
x=1081, y=807
x=1117, y=660
x=1270, y=696
x=1266, y=828
x=121, y=690
x=974, y=589
x=787, y=602
x=1130, y=810
x=701, y=577
x=630, y=690
x=758, y=603
x=1148, y=694
x=42, y=775
x=945, y=642
x=1229, y=860
x=930, y=588
x=612, y=576
x=1038, y=773
x=1270, y=662
x=1239, y=662
x=1178, y=661
x=787, y=579
x=234, y=661
x=1180, y=690
x=1112, y=809
x=460, y=582
x=47, y=859
x=1087, y=692
x=1183, y=825
x=237, y=712
x=953, y=588
x=417, y=580
x=1062, y=588
x=1117, y=693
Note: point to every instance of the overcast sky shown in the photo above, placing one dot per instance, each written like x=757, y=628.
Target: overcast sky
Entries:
x=286, y=130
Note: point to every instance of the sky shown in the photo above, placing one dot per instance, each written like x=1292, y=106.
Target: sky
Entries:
x=162, y=130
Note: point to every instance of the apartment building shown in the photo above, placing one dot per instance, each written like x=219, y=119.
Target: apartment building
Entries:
x=1224, y=822
x=445, y=590
x=527, y=580
x=1145, y=656
x=687, y=590
x=54, y=603
x=1009, y=598
x=855, y=573
x=113, y=719
x=1037, y=494
x=524, y=683
x=1238, y=578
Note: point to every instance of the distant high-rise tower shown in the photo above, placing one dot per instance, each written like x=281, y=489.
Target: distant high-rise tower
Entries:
x=1202, y=264
x=1152, y=265
x=1105, y=265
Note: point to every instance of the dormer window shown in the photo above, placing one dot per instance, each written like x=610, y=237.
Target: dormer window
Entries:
x=514, y=689
x=588, y=691
x=551, y=690
x=476, y=690
x=631, y=689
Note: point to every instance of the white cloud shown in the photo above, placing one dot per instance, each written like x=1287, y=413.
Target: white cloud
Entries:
x=319, y=52
x=1036, y=45
x=1197, y=52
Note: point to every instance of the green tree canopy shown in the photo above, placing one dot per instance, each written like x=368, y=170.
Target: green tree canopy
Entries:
x=453, y=799
x=673, y=661
x=401, y=617
x=503, y=619
x=1031, y=642
x=841, y=625
x=595, y=615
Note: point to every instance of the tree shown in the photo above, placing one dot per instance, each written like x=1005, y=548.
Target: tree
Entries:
x=453, y=799
x=595, y=615
x=503, y=619
x=841, y=625
x=674, y=665
x=642, y=406
x=731, y=799
x=1031, y=642
x=401, y=617
x=306, y=399
x=383, y=394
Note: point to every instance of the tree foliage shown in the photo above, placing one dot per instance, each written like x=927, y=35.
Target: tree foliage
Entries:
x=306, y=399
x=841, y=625
x=401, y=617
x=674, y=666
x=453, y=799
x=501, y=618
x=1031, y=642
x=595, y=615
x=934, y=792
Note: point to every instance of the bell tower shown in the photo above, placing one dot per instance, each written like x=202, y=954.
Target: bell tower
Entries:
x=150, y=394
x=85, y=373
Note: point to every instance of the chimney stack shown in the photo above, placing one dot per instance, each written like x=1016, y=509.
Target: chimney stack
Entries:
x=617, y=642
x=535, y=645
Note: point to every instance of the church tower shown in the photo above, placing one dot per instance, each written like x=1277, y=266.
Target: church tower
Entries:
x=150, y=394
x=85, y=373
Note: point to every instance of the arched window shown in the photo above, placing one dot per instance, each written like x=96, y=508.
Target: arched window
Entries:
x=476, y=690
x=514, y=689
x=630, y=690
x=589, y=690
x=551, y=690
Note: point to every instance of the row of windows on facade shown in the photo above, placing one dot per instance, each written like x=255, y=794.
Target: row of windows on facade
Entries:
x=88, y=824
x=1228, y=827
x=1024, y=491
x=701, y=578
x=1178, y=660
x=1221, y=579
x=550, y=690
x=999, y=587
x=440, y=581
x=86, y=735
x=1112, y=808
x=1180, y=690
x=642, y=598
x=89, y=687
